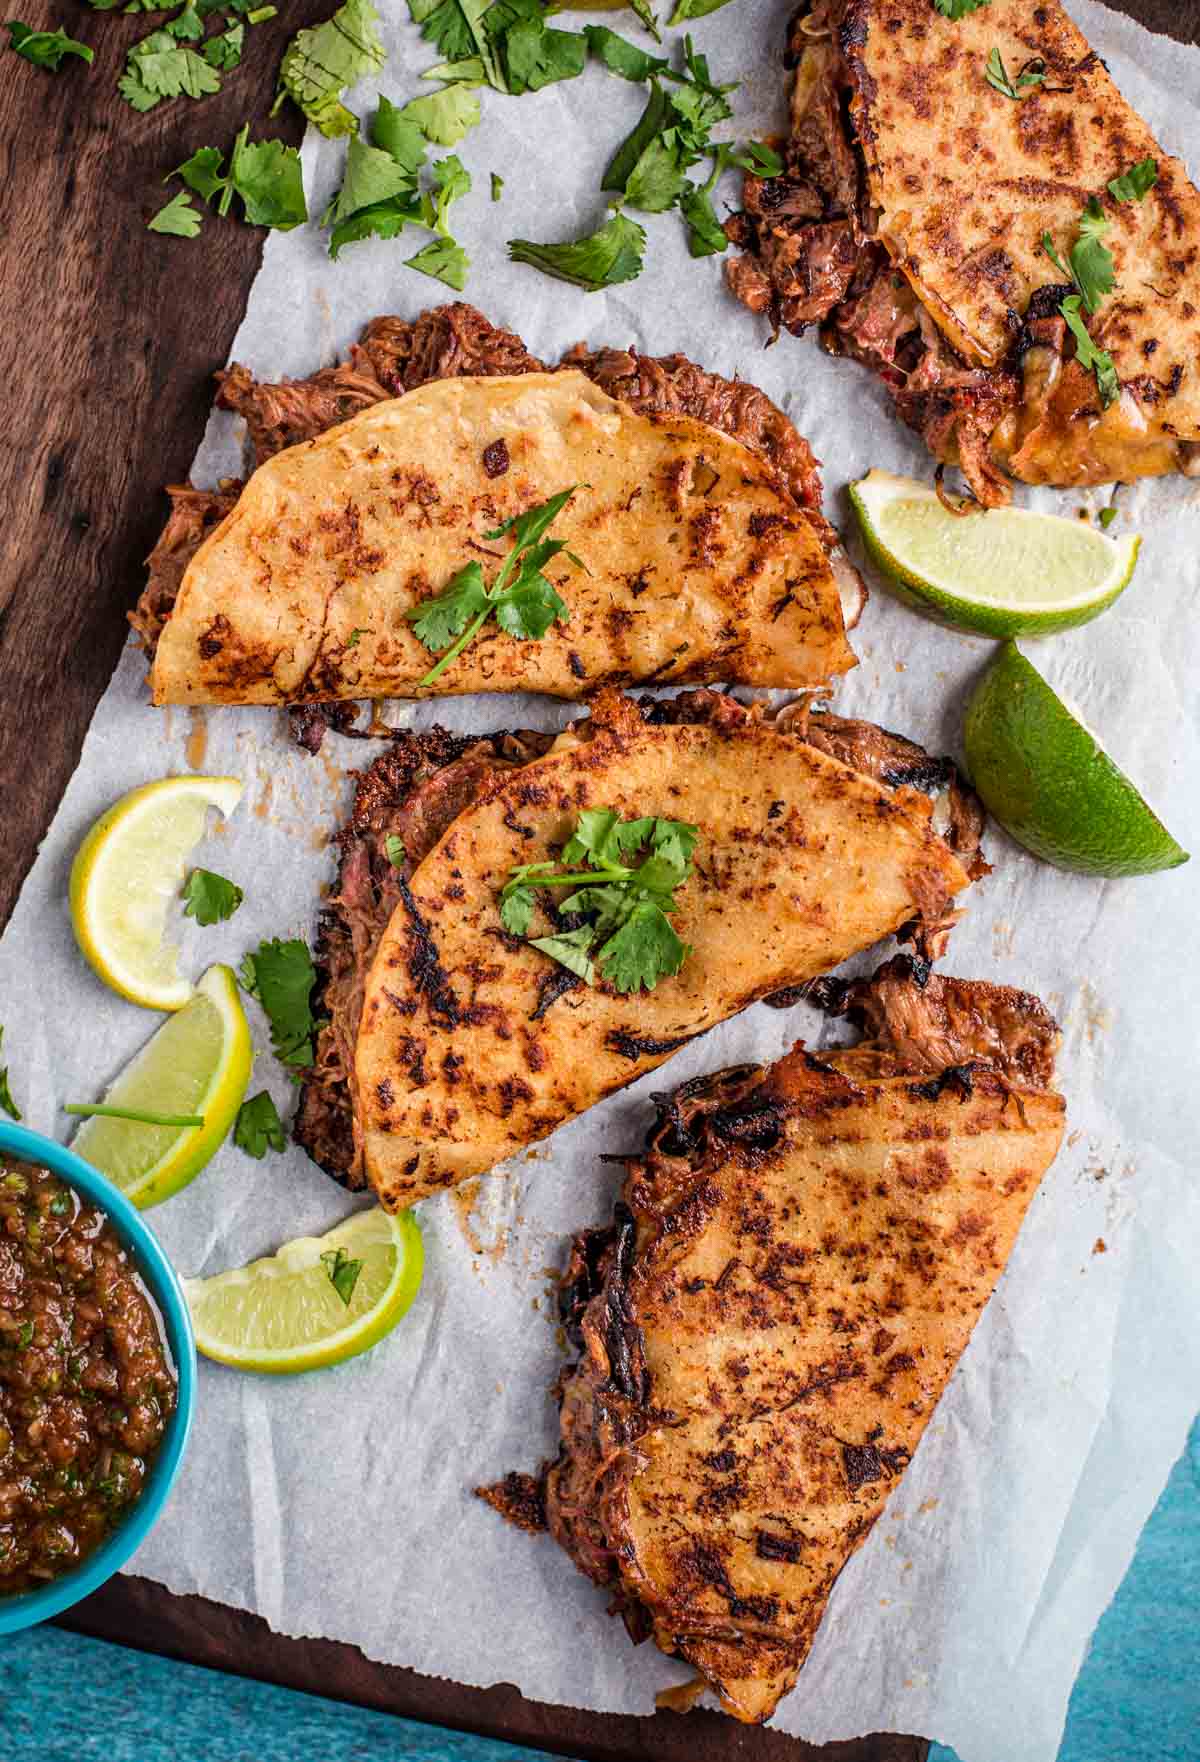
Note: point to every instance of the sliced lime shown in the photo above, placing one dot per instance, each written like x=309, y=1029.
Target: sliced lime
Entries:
x=125, y=874
x=999, y=571
x=198, y=1063
x=1050, y=784
x=289, y=1312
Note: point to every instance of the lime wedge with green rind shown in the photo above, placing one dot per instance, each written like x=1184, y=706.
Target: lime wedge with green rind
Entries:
x=285, y=1313
x=197, y=1063
x=125, y=874
x=1049, y=783
x=999, y=571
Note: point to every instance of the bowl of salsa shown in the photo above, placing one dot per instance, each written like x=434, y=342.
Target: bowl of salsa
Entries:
x=97, y=1378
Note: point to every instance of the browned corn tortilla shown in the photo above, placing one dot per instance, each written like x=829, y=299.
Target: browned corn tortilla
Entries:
x=802, y=861
x=697, y=564
x=792, y=1275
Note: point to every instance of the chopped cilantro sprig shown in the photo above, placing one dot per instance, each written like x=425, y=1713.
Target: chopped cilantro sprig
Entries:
x=621, y=908
x=1032, y=74
x=210, y=898
x=258, y=1127
x=322, y=63
x=525, y=604
x=45, y=48
x=281, y=975
x=342, y=1272
x=265, y=175
x=1091, y=271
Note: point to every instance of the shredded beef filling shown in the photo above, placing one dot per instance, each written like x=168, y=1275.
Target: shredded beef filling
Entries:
x=394, y=356
x=424, y=781
x=811, y=257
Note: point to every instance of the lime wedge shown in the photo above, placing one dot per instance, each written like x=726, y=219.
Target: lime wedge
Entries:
x=197, y=1063
x=125, y=874
x=1050, y=784
x=286, y=1313
x=1002, y=572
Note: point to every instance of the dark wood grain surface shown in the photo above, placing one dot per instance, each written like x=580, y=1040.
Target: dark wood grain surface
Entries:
x=108, y=337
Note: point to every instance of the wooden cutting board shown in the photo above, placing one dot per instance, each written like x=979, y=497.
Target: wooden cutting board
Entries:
x=108, y=339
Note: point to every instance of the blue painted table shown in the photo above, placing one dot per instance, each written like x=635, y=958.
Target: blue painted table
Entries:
x=68, y=1699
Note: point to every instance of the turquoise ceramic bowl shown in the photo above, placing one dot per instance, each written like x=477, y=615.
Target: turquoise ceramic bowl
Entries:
x=161, y=1280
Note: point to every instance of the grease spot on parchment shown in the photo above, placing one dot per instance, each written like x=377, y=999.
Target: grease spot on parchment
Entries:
x=195, y=749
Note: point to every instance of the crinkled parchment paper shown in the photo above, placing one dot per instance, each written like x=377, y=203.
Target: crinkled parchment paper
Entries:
x=338, y=1504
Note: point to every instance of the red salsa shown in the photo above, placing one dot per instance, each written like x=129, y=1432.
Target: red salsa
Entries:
x=86, y=1388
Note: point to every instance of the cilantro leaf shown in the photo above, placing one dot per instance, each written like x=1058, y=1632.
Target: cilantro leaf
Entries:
x=647, y=128
x=371, y=176
x=342, y=1272
x=595, y=836
x=602, y=259
x=393, y=845
x=1048, y=248
x=996, y=74
x=1108, y=515
x=468, y=72
x=158, y=67
x=641, y=11
x=177, y=217
x=381, y=220
x=530, y=607
x=570, y=950
x=755, y=157
x=1088, y=355
x=457, y=31
x=258, y=1127
x=1091, y=259
x=6, y=1101
x=321, y=63
x=497, y=186
x=225, y=51
x=45, y=48
x=283, y=977
x=524, y=602
x=1133, y=184
x=957, y=9
x=527, y=528
x=621, y=56
x=399, y=134
x=380, y=190
x=536, y=56
x=516, y=907
x=1091, y=265
x=657, y=180
x=202, y=172
x=451, y=181
x=438, y=621
x=444, y=260
x=642, y=951
x=268, y=178
x=444, y=117
x=209, y=898
x=674, y=841
x=186, y=24
x=685, y=9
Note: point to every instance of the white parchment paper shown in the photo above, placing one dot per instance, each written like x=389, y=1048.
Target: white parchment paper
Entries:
x=338, y=1504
